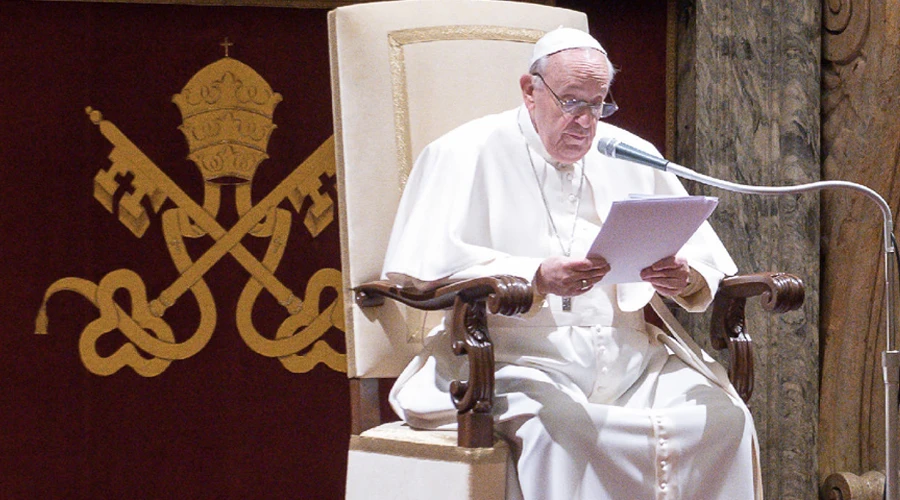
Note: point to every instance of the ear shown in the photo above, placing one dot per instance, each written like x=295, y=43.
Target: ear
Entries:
x=526, y=82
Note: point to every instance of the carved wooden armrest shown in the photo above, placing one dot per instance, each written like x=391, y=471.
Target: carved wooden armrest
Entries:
x=470, y=301
x=778, y=292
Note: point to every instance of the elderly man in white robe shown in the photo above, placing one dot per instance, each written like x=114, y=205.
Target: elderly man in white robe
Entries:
x=595, y=402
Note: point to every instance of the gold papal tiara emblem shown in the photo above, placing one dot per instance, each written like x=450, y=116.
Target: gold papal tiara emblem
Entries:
x=227, y=110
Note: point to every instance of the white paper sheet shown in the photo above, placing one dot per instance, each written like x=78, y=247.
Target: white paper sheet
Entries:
x=638, y=232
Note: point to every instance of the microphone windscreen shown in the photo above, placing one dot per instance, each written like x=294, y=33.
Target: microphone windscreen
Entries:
x=607, y=146
x=615, y=148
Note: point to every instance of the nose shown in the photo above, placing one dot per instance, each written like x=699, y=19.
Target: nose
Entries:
x=585, y=119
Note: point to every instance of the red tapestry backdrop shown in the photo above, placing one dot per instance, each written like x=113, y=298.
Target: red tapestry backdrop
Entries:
x=102, y=214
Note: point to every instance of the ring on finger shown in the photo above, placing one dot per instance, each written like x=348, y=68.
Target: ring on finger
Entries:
x=585, y=285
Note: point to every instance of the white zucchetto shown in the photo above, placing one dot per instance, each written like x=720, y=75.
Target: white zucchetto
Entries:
x=563, y=39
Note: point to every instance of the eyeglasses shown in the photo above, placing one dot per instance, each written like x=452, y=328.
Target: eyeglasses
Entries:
x=576, y=107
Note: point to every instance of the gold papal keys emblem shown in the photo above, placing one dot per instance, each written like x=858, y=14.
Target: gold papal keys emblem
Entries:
x=227, y=110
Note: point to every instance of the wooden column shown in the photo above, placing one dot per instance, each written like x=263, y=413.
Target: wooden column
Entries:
x=747, y=110
x=860, y=141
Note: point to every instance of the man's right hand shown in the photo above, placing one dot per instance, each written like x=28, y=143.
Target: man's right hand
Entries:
x=569, y=277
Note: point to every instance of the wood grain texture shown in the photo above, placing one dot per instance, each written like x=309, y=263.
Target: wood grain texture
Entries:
x=860, y=129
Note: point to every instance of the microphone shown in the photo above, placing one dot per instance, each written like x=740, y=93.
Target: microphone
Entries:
x=615, y=148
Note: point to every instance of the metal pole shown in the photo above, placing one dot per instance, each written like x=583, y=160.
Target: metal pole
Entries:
x=890, y=361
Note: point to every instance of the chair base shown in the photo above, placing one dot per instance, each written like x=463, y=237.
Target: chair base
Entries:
x=424, y=464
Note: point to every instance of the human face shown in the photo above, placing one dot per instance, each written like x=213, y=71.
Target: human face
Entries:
x=576, y=107
x=581, y=74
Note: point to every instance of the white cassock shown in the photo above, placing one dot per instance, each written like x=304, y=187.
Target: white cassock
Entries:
x=595, y=402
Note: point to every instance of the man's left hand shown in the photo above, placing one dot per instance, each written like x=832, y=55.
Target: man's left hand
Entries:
x=668, y=276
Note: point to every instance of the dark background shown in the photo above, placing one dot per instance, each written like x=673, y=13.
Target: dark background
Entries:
x=227, y=422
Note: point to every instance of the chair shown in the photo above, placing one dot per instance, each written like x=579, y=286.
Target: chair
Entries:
x=403, y=73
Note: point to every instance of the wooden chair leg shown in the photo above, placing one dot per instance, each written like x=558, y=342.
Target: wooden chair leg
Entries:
x=365, y=407
x=476, y=430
